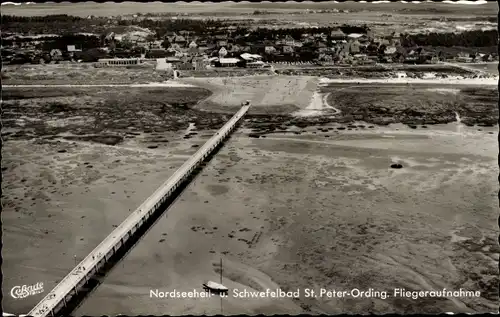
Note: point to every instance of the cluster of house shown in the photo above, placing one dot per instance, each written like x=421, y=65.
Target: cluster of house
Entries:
x=334, y=47
x=184, y=50
x=223, y=50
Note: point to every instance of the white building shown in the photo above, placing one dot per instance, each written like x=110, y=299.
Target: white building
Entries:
x=228, y=62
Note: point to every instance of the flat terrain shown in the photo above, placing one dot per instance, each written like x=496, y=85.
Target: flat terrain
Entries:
x=343, y=219
x=235, y=9
x=87, y=74
x=383, y=18
x=108, y=115
x=295, y=202
x=266, y=93
x=491, y=68
x=416, y=103
x=78, y=74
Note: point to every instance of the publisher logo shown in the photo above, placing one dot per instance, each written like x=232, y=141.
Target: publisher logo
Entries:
x=26, y=290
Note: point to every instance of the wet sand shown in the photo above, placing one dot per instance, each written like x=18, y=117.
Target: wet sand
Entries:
x=316, y=212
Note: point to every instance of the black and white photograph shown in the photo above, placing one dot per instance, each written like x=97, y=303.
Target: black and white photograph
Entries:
x=245, y=158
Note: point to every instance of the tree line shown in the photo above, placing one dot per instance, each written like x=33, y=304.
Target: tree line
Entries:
x=62, y=23
x=51, y=24
x=476, y=38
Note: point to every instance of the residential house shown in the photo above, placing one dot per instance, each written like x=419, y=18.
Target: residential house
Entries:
x=270, y=50
x=337, y=35
x=325, y=58
x=246, y=49
x=354, y=47
x=250, y=57
x=401, y=55
x=390, y=50
x=211, y=47
x=370, y=35
x=179, y=40
x=362, y=38
x=320, y=36
x=72, y=49
x=395, y=38
x=345, y=49
x=487, y=58
x=463, y=58
x=193, y=51
x=308, y=39
x=321, y=47
x=155, y=44
x=222, y=52
x=175, y=47
x=395, y=42
x=362, y=59
x=56, y=55
x=202, y=49
x=170, y=36
x=200, y=63
x=232, y=28
x=179, y=54
x=221, y=43
x=384, y=41
x=235, y=49
x=174, y=51
x=288, y=49
x=193, y=48
x=220, y=37
x=288, y=41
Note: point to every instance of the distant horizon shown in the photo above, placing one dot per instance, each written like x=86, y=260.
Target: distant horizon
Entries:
x=457, y=2
x=447, y=7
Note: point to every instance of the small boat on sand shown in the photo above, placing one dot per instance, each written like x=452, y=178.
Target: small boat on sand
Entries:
x=215, y=287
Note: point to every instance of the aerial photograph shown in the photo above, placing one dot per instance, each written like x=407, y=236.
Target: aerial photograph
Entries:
x=244, y=158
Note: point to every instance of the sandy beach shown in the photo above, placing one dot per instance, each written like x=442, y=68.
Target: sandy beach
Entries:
x=343, y=213
x=300, y=207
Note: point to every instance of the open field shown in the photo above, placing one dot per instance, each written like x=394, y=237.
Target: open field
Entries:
x=84, y=73
x=103, y=114
x=374, y=71
x=415, y=104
